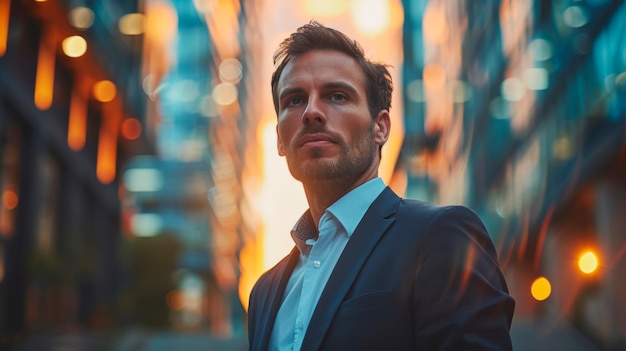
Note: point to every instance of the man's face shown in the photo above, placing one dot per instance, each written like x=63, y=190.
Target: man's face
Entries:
x=325, y=129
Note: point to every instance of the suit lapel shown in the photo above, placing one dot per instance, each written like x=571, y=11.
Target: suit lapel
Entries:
x=374, y=224
x=275, y=298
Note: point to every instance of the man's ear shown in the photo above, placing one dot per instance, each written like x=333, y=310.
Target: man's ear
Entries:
x=279, y=144
x=382, y=127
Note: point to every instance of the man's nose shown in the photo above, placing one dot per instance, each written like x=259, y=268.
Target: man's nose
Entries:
x=314, y=112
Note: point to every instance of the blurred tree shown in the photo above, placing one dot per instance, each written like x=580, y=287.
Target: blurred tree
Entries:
x=154, y=261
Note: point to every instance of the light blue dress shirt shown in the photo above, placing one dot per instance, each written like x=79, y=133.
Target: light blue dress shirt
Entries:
x=317, y=261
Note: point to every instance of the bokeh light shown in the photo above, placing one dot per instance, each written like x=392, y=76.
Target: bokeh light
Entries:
x=131, y=128
x=541, y=289
x=131, y=24
x=225, y=94
x=9, y=199
x=230, y=71
x=104, y=91
x=81, y=17
x=588, y=262
x=74, y=46
x=575, y=16
x=513, y=89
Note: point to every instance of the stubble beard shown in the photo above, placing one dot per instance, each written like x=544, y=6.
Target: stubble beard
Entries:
x=351, y=163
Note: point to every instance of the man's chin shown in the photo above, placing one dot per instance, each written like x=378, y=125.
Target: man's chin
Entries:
x=316, y=169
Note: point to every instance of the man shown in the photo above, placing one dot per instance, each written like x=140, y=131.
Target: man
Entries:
x=369, y=270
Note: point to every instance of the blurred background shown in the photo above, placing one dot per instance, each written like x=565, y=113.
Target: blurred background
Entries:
x=142, y=195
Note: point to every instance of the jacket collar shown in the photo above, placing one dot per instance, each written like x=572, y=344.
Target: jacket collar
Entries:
x=267, y=315
x=370, y=230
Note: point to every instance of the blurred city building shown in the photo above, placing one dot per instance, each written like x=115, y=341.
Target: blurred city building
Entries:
x=120, y=153
x=71, y=112
x=195, y=56
x=518, y=109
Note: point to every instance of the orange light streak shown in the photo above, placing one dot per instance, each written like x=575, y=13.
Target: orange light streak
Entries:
x=105, y=168
x=44, y=81
x=435, y=25
x=77, y=126
x=5, y=10
x=107, y=145
x=223, y=28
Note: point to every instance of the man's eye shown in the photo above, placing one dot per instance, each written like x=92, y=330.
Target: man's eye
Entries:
x=337, y=97
x=295, y=101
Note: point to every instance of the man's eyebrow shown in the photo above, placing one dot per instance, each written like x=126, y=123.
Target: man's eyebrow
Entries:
x=290, y=91
x=341, y=85
x=327, y=86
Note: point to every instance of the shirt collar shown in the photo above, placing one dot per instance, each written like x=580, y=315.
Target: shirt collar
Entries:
x=348, y=210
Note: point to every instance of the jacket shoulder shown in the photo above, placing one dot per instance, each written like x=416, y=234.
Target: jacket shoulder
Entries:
x=269, y=281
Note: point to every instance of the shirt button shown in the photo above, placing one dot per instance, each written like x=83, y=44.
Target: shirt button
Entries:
x=317, y=264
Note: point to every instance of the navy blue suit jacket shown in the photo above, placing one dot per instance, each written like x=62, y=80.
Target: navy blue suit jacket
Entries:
x=413, y=276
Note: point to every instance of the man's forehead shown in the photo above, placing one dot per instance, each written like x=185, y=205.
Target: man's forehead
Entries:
x=325, y=65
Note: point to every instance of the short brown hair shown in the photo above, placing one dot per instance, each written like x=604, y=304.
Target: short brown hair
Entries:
x=315, y=36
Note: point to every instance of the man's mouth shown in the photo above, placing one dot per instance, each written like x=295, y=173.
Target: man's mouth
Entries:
x=315, y=140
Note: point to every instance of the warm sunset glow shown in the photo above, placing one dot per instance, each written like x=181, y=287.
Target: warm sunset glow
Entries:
x=325, y=8
x=74, y=46
x=371, y=17
x=541, y=289
x=44, y=80
x=104, y=91
x=131, y=129
x=5, y=9
x=77, y=124
x=251, y=262
x=282, y=197
x=588, y=262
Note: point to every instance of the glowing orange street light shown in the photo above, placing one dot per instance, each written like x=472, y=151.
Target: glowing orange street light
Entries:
x=44, y=79
x=541, y=289
x=588, y=262
x=104, y=91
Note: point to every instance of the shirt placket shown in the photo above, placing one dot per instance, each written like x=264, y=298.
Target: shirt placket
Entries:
x=311, y=277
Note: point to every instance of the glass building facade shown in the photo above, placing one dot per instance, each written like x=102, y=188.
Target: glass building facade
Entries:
x=517, y=109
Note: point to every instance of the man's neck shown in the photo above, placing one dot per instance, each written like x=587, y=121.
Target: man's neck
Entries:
x=321, y=195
